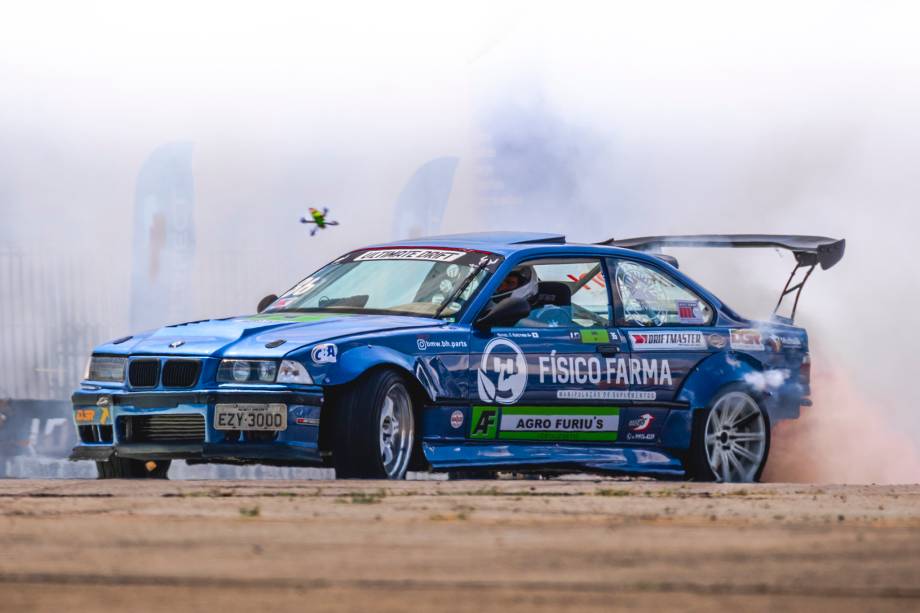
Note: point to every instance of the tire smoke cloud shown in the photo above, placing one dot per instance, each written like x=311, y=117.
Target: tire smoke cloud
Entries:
x=619, y=120
x=729, y=119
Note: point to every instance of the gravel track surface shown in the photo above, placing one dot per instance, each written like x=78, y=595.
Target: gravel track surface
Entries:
x=462, y=545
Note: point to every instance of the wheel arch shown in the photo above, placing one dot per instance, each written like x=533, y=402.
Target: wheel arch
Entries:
x=694, y=460
x=358, y=361
x=713, y=375
x=417, y=391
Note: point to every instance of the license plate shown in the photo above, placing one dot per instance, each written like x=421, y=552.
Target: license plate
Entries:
x=262, y=417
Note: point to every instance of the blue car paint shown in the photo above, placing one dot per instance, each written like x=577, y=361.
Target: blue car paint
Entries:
x=248, y=336
x=443, y=358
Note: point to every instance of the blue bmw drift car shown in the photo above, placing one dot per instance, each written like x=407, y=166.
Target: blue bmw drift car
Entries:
x=465, y=353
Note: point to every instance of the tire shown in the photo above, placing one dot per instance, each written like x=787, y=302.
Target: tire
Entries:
x=374, y=428
x=124, y=468
x=730, y=438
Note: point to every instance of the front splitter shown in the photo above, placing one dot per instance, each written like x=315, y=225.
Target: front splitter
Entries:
x=304, y=453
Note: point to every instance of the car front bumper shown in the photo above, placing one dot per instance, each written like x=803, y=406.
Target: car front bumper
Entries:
x=102, y=416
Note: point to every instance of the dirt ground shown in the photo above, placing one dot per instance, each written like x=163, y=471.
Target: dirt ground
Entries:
x=462, y=545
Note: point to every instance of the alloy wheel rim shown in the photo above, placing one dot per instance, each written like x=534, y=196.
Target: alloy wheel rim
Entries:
x=736, y=438
x=396, y=431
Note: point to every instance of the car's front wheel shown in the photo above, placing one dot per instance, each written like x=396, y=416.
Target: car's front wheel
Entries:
x=731, y=439
x=124, y=468
x=374, y=428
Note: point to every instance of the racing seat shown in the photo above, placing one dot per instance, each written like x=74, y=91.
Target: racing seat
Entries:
x=552, y=305
x=555, y=293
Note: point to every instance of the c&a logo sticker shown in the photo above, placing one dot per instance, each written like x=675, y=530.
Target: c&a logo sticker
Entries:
x=325, y=353
x=502, y=374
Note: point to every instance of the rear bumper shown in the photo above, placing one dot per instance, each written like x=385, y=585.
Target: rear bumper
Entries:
x=109, y=437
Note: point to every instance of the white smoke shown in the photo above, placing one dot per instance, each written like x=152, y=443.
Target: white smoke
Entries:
x=614, y=120
x=766, y=380
x=719, y=117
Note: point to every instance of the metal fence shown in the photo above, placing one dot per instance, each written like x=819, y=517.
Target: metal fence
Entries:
x=51, y=314
x=55, y=307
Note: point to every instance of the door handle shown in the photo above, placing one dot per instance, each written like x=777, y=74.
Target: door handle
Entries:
x=608, y=349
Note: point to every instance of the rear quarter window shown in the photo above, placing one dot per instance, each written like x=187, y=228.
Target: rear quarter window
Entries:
x=651, y=298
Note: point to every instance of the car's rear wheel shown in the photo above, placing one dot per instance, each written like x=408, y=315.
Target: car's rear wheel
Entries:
x=731, y=439
x=374, y=428
x=124, y=468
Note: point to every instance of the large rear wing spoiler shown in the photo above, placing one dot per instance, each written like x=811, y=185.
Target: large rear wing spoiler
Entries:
x=809, y=251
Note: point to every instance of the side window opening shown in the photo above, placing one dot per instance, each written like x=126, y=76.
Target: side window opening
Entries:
x=562, y=292
x=649, y=298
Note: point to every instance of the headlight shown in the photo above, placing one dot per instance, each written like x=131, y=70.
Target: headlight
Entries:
x=293, y=372
x=241, y=370
x=247, y=371
x=102, y=368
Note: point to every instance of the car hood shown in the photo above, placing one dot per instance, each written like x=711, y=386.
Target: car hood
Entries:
x=248, y=336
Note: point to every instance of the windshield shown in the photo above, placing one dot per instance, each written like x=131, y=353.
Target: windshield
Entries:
x=421, y=282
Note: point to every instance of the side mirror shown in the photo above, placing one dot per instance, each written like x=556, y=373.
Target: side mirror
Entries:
x=506, y=313
x=265, y=302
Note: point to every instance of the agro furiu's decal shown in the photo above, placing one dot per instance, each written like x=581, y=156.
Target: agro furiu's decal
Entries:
x=540, y=423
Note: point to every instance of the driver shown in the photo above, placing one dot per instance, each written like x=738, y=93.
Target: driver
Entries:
x=520, y=283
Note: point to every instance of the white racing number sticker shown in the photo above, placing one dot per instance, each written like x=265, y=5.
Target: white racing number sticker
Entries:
x=300, y=289
x=434, y=255
x=261, y=417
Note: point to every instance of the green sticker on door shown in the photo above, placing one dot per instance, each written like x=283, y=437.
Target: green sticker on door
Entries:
x=545, y=423
x=594, y=335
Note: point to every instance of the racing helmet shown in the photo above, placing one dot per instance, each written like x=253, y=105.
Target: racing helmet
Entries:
x=526, y=287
